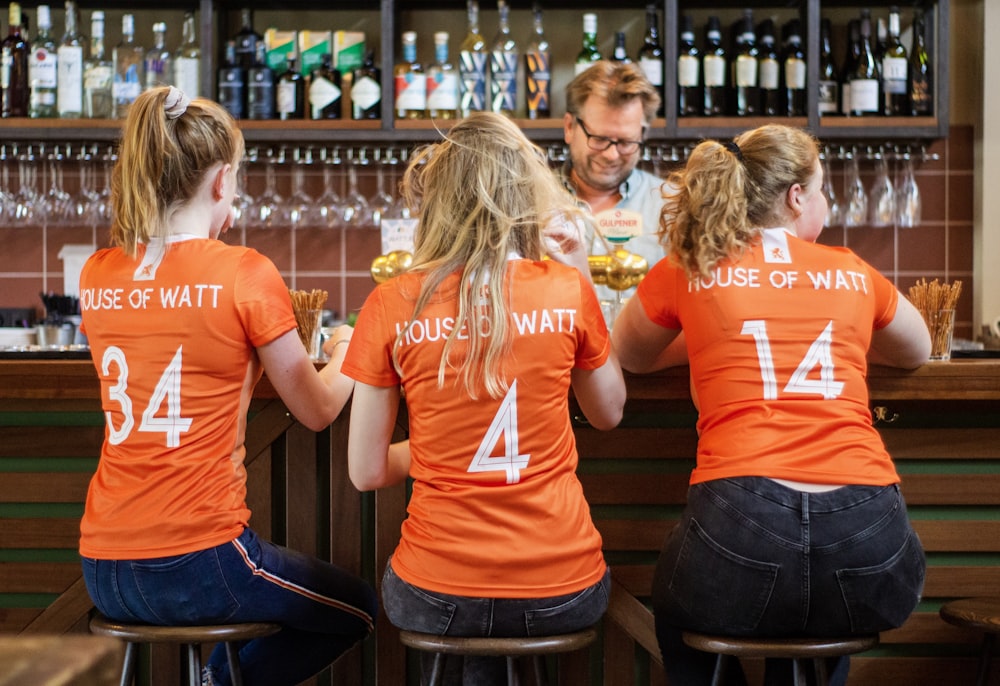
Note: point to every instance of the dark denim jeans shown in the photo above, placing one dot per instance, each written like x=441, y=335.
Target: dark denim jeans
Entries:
x=323, y=609
x=751, y=557
x=416, y=609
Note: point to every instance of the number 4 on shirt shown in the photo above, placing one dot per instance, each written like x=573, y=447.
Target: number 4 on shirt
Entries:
x=502, y=428
x=818, y=355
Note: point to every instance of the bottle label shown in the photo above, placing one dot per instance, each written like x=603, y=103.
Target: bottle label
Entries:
x=6, y=63
x=42, y=69
x=285, y=97
x=411, y=92
x=322, y=93
x=795, y=73
x=769, y=71
x=186, y=76
x=97, y=77
x=687, y=71
x=537, y=80
x=920, y=95
x=827, y=97
x=442, y=91
x=653, y=69
x=746, y=71
x=472, y=72
x=894, y=74
x=503, y=85
x=69, y=67
x=365, y=93
x=715, y=71
x=126, y=86
x=864, y=95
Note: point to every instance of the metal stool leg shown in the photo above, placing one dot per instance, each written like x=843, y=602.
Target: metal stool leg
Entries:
x=819, y=667
x=128, y=666
x=721, y=664
x=437, y=670
x=985, y=655
x=512, y=679
x=233, y=658
x=541, y=674
x=799, y=677
x=194, y=663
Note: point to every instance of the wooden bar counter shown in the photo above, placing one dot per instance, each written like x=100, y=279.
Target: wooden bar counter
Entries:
x=941, y=423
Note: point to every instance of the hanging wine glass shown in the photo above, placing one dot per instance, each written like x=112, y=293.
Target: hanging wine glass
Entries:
x=58, y=203
x=300, y=203
x=29, y=206
x=908, y=202
x=266, y=209
x=399, y=209
x=242, y=200
x=6, y=189
x=855, y=198
x=882, y=197
x=356, y=210
x=86, y=202
x=381, y=203
x=329, y=206
x=833, y=208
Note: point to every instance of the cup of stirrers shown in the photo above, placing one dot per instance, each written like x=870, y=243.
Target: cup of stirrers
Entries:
x=936, y=303
x=308, y=309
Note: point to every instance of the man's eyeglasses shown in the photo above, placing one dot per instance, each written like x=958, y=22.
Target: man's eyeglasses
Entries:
x=602, y=143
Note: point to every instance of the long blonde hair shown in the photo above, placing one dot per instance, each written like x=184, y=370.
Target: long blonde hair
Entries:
x=162, y=161
x=484, y=193
x=716, y=205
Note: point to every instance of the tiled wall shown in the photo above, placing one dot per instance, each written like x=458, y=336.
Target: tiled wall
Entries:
x=338, y=260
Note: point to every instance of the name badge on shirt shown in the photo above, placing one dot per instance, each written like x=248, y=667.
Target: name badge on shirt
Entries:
x=618, y=225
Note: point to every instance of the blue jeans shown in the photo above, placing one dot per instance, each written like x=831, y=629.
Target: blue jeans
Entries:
x=751, y=557
x=416, y=609
x=323, y=610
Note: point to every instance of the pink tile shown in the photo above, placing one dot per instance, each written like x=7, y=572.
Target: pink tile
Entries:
x=22, y=249
x=318, y=250
x=361, y=246
x=874, y=245
x=961, y=148
x=960, y=197
x=922, y=250
x=22, y=291
x=960, y=247
x=275, y=243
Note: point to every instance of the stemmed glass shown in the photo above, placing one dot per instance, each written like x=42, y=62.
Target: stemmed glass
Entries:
x=300, y=203
x=242, y=200
x=908, y=202
x=7, y=203
x=381, y=203
x=85, y=204
x=356, y=210
x=329, y=206
x=882, y=197
x=833, y=207
x=855, y=198
x=58, y=203
x=399, y=209
x=266, y=209
x=29, y=206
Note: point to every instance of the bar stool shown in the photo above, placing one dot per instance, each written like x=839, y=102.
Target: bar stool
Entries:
x=981, y=614
x=536, y=647
x=796, y=649
x=189, y=637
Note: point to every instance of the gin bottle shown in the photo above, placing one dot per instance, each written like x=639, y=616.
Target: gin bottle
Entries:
x=42, y=69
x=442, y=82
x=129, y=61
x=472, y=64
x=98, y=74
x=70, y=59
x=410, y=81
x=159, y=60
x=187, y=60
x=503, y=65
x=537, y=74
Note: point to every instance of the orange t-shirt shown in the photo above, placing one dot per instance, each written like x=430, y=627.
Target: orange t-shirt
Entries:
x=497, y=509
x=778, y=343
x=173, y=341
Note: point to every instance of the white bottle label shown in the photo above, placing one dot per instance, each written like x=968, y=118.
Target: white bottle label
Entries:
x=894, y=74
x=69, y=67
x=653, y=69
x=769, y=74
x=411, y=92
x=186, y=76
x=687, y=71
x=42, y=69
x=365, y=93
x=795, y=74
x=322, y=92
x=746, y=71
x=715, y=71
x=285, y=97
x=442, y=91
x=864, y=95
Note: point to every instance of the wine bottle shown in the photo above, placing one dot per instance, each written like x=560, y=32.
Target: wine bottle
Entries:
x=713, y=62
x=588, y=52
x=42, y=69
x=442, y=82
x=745, y=71
x=325, y=93
x=159, y=60
x=895, y=80
x=503, y=65
x=98, y=74
x=794, y=71
x=260, y=86
x=410, y=81
x=187, y=59
x=650, y=56
x=850, y=64
x=537, y=77
x=129, y=61
x=865, y=92
x=290, y=92
x=70, y=58
x=689, y=96
x=619, y=53
x=768, y=70
x=472, y=64
x=366, y=89
x=921, y=75
x=232, y=78
x=246, y=40
x=828, y=102
x=14, y=53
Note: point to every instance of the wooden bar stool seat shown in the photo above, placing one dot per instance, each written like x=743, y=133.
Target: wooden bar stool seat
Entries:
x=799, y=650
x=536, y=647
x=981, y=614
x=189, y=637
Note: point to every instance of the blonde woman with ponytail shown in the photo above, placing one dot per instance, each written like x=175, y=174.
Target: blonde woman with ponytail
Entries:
x=180, y=327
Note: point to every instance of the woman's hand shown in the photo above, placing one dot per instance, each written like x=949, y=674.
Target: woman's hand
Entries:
x=342, y=334
x=565, y=243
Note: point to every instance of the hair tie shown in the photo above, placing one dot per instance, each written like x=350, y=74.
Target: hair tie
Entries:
x=176, y=103
x=733, y=148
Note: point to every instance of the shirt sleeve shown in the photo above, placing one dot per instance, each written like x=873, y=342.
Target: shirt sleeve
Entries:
x=369, y=354
x=594, y=342
x=262, y=300
x=886, y=298
x=657, y=294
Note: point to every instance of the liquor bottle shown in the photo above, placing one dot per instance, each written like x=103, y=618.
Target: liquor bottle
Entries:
x=472, y=64
x=865, y=100
x=43, y=78
x=620, y=54
x=410, y=80
x=129, y=60
x=850, y=64
x=828, y=102
x=503, y=65
x=895, y=80
x=881, y=43
x=713, y=63
x=187, y=59
x=260, y=86
x=650, y=55
x=232, y=80
x=70, y=58
x=921, y=74
x=325, y=93
x=366, y=89
x=537, y=77
x=290, y=92
x=159, y=60
x=794, y=71
x=768, y=71
x=442, y=82
x=689, y=97
x=246, y=40
x=745, y=71
x=588, y=53
x=14, y=52
x=98, y=74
